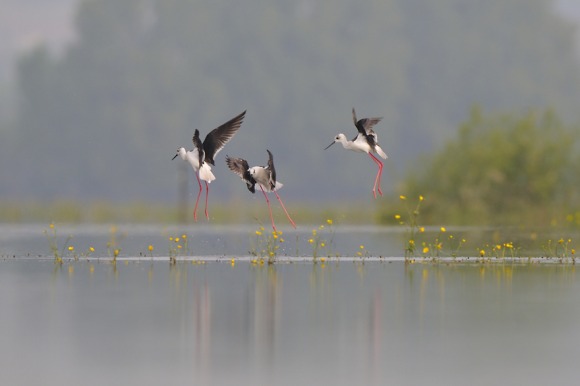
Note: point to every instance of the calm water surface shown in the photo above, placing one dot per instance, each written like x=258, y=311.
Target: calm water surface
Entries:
x=150, y=323
x=147, y=322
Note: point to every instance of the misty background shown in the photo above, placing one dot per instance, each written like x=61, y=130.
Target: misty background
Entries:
x=97, y=95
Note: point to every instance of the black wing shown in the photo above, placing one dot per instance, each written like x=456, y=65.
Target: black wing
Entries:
x=364, y=125
x=199, y=146
x=218, y=137
x=241, y=168
x=272, y=170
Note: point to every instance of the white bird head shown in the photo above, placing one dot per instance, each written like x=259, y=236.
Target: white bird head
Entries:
x=339, y=138
x=180, y=152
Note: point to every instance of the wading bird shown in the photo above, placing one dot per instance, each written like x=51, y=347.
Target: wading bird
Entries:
x=264, y=176
x=202, y=155
x=366, y=141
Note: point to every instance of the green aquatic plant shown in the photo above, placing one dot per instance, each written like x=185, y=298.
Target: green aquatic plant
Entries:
x=51, y=235
x=265, y=244
x=562, y=249
x=177, y=246
x=322, y=240
x=362, y=252
x=411, y=224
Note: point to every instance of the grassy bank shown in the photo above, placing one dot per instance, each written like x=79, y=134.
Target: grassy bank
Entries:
x=256, y=211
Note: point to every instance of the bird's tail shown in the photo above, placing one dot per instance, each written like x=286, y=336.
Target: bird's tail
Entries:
x=205, y=173
x=380, y=152
x=276, y=188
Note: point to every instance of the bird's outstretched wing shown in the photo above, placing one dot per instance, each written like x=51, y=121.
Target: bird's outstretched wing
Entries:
x=242, y=169
x=199, y=146
x=364, y=125
x=272, y=170
x=218, y=137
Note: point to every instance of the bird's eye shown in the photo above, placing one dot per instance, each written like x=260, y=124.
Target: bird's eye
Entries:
x=337, y=138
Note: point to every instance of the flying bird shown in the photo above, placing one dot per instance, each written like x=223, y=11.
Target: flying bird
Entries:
x=203, y=153
x=263, y=176
x=366, y=141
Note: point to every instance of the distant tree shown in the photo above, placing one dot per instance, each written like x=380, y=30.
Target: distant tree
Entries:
x=100, y=119
x=500, y=168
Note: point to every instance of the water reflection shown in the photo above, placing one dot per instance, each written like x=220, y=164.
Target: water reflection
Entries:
x=333, y=323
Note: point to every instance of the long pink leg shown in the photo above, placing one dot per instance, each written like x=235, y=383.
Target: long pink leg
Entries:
x=269, y=208
x=206, y=196
x=197, y=200
x=285, y=211
x=378, y=177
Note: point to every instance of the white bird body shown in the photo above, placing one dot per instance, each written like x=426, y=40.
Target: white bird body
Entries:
x=192, y=157
x=263, y=177
x=360, y=144
x=201, y=157
x=366, y=141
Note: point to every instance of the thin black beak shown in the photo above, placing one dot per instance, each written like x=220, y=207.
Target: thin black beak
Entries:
x=174, y=156
x=333, y=142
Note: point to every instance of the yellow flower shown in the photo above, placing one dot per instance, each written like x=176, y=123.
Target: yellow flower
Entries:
x=71, y=248
x=274, y=235
x=443, y=229
x=573, y=251
x=402, y=197
x=314, y=232
x=184, y=236
x=561, y=241
x=51, y=225
x=422, y=229
x=281, y=240
x=258, y=233
x=150, y=248
x=116, y=252
x=426, y=250
x=322, y=245
x=91, y=249
x=421, y=198
x=310, y=241
x=329, y=221
x=481, y=252
x=439, y=246
x=397, y=217
x=498, y=247
x=177, y=239
x=362, y=247
x=170, y=238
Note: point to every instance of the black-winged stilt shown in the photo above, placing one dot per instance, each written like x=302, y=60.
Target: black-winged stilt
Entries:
x=203, y=154
x=264, y=176
x=366, y=141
